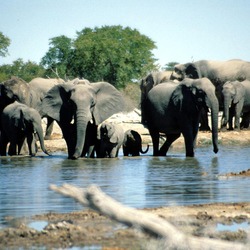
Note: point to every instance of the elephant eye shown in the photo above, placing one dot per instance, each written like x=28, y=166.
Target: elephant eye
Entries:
x=15, y=97
x=92, y=104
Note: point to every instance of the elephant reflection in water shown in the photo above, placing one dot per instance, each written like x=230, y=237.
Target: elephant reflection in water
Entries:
x=181, y=180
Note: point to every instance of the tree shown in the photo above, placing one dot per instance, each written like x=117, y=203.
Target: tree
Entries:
x=170, y=66
x=4, y=44
x=26, y=71
x=110, y=53
x=56, y=59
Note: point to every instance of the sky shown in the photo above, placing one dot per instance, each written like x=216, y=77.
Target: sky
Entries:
x=183, y=30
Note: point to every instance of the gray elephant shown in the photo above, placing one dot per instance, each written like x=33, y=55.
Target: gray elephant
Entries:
x=80, y=81
x=31, y=94
x=236, y=96
x=218, y=72
x=174, y=109
x=20, y=122
x=110, y=137
x=79, y=109
x=151, y=80
x=132, y=144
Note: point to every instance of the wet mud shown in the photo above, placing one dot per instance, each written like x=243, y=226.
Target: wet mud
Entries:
x=88, y=228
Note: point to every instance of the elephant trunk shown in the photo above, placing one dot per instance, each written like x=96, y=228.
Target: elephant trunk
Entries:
x=39, y=132
x=227, y=103
x=81, y=127
x=214, y=120
x=145, y=151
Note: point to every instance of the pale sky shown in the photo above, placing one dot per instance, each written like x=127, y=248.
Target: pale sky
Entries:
x=183, y=30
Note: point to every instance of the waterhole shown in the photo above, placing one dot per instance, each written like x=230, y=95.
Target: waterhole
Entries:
x=140, y=182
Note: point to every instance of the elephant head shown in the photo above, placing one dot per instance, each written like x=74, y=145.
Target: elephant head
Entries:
x=15, y=89
x=203, y=92
x=30, y=122
x=151, y=80
x=187, y=70
x=233, y=93
x=83, y=103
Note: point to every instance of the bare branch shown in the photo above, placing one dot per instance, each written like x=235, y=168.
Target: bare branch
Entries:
x=94, y=198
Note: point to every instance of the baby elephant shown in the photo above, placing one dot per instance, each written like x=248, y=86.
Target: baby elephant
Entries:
x=20, y=122
x=110, y=137
x=132, y=144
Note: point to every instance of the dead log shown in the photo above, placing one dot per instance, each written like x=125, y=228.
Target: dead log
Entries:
x=97, y=200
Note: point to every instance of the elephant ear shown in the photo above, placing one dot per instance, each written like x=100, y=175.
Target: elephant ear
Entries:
x=109, y=101
x=177, y=96
x=191, y=71
x=55, y=101
x=20, y=122
x=240, y=92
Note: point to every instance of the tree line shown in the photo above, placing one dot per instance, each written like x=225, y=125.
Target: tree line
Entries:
x=116, y=54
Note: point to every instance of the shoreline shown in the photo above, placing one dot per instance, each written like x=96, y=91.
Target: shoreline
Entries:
x=87, y=229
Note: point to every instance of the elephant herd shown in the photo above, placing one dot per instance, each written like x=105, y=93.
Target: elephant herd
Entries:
x=78, y=107
x=176, y=102
x=172, y=103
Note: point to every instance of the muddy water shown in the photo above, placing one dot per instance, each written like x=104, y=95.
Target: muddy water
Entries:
x=143, y=181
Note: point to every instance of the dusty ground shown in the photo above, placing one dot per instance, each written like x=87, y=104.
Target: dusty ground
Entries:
x=88, y=228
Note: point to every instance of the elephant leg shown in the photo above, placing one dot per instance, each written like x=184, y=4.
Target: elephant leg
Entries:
x=204, y=120
x=230, y=120
x=238, y=110
x=136, y=152
x=90, y=141
x=3, y=145
x=22, y=145
x=13, y=144
x=31, y=144
x=165, y=147
x=91, y=152
x=125, y=151
x=23, y=148
x=189, y=139
x=155, y=139
x=245, y=120
x=114, y=152
x=69, y=135
x=49, y=128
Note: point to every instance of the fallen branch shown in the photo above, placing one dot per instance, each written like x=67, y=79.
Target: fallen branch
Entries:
x=97, y=200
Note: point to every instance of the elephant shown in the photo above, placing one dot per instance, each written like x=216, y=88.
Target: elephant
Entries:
x=236, y=97
x=79, y=109
x=218, y=72
x=132, y=144
x=174, y=109
x=151, y=80
x=20, y=122
x=110, y=137
x=30, y=94
x=80, y=81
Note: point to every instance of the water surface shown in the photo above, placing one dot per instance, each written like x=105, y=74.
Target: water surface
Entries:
x=140, y=182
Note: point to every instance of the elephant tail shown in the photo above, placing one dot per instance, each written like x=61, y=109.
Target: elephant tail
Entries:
x=145, y=151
